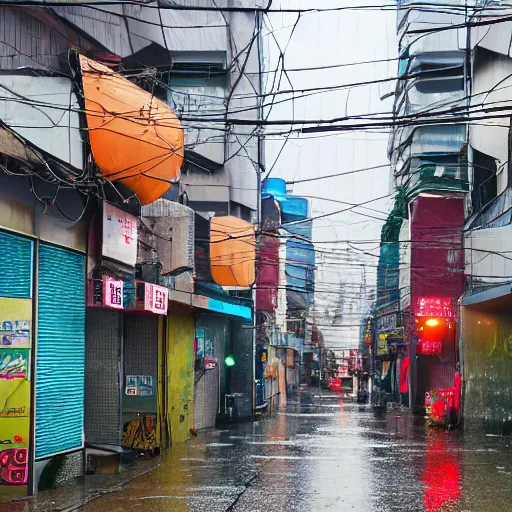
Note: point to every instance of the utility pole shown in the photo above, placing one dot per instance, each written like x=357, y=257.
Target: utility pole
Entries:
x=259, y=168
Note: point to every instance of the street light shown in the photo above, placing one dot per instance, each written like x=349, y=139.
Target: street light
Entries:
x=229, y=360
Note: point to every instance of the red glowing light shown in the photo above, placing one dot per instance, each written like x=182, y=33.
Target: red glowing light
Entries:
x=441, y=477
x=432, y=322
x=4, y=458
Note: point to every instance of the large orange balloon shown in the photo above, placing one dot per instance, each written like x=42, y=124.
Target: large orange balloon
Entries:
x=232, y=251
x=135, y=138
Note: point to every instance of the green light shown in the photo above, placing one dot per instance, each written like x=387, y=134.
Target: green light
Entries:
x=230, y=360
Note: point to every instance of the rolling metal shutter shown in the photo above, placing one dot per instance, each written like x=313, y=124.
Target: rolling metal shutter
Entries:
x=60, y=352
x=16, y=255
x=141, y=358
x=207, y=389
x=102, y=377
x=141, y=345
x=206, y=400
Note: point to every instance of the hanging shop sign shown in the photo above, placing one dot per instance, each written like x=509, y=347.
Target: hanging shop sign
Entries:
x=156, y=299
x=119, y=235
x=440, y=307
x=210, y=364
x=382, y=344
x=113, y=293
x=367, y=336
x=387, y=322
x=429, y=348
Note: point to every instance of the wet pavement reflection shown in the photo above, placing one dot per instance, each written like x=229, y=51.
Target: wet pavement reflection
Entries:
x=321, y=453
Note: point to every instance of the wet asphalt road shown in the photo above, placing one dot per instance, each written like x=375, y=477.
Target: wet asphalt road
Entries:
x=322, y=453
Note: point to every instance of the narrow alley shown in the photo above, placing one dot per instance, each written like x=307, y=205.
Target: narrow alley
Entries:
x=320, y=454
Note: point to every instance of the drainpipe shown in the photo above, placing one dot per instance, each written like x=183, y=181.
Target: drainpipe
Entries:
x=459, y=323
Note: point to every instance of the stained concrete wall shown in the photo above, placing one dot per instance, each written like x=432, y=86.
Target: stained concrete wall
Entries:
x=180, y=373
x=20, y=211
x=486, y=349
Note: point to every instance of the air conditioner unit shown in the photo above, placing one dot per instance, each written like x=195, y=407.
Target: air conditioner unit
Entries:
x=148, y=271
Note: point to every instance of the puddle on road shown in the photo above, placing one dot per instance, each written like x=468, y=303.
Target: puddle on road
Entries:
x=204, y=459
x=275, y=443
x=190, y=497
x=293, y=457
x=245, y=436
x=307, y=414
x=344, y=458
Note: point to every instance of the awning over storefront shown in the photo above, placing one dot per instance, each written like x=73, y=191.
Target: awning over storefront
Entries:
x=135, y=138
x=150, y=298
x=232, y=251
x=219, y=306
x=210, y=304
x=497, y=299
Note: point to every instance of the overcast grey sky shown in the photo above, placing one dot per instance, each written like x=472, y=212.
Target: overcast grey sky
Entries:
x=325, y=39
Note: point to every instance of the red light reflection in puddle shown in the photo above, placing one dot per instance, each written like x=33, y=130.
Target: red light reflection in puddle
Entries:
x=442, y=473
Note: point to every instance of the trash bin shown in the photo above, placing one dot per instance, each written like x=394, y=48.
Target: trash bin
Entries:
x=362, y=397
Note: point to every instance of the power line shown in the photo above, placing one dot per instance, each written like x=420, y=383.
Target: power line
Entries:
x=166, y=5
x=305, y=180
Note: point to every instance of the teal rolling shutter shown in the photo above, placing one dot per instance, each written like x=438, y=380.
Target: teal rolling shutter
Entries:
x=16, y=274
x=60, y=351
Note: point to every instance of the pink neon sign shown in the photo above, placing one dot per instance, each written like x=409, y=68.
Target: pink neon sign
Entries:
x=156, y=299
x=434, y=306
x=113, y=293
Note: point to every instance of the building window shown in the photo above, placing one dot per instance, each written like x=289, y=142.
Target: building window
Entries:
x=198, y=69
x=485, y=183
x=296, y=327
